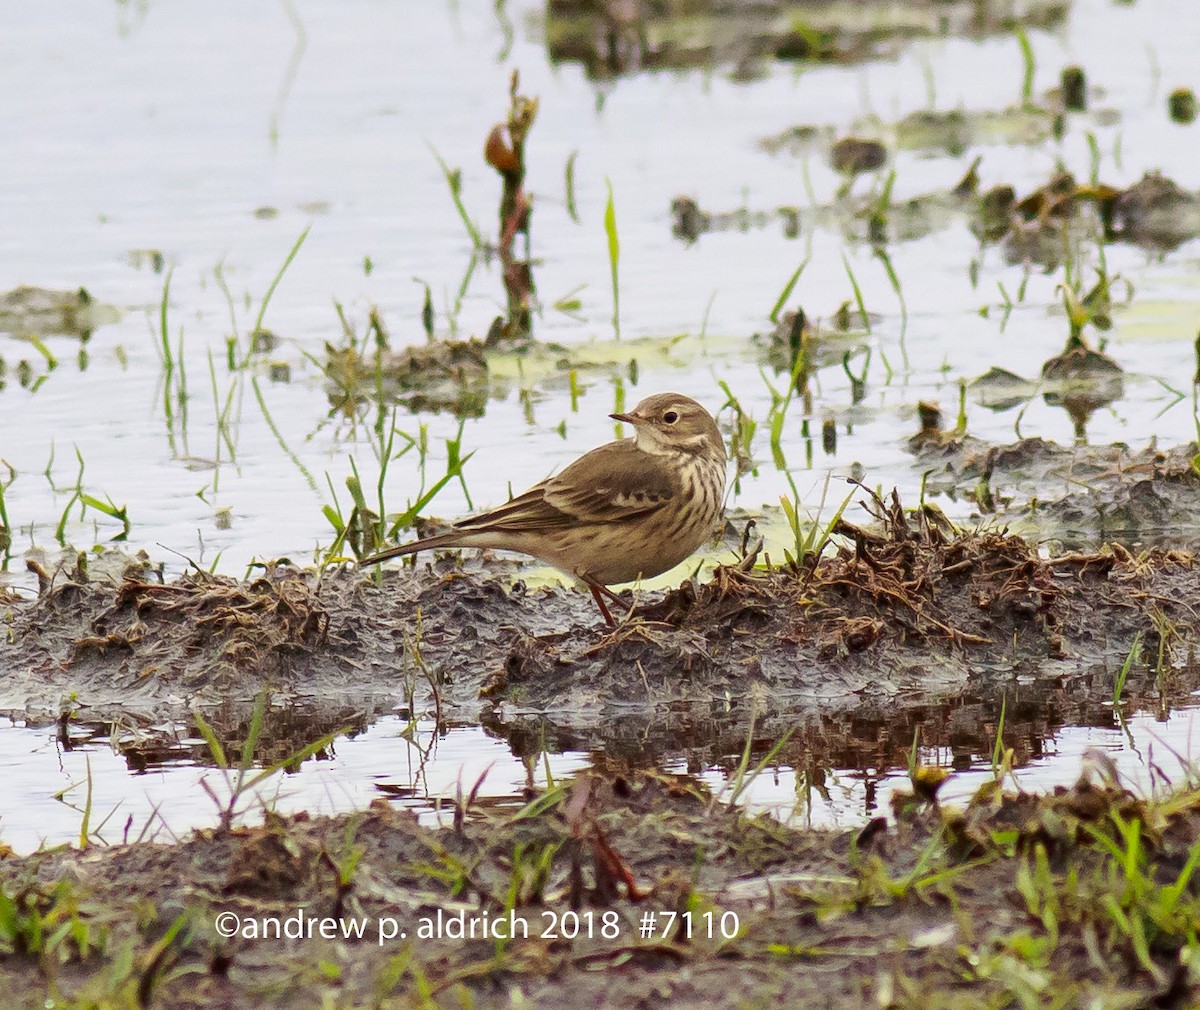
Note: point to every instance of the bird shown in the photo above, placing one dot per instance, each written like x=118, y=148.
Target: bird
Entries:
x=624, y=511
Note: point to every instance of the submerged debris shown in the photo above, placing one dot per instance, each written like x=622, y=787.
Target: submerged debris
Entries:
x=1158, y=212
x=1154, y=212
x=854, y=155
x=39, y=312
x=1000, y=389
x=1073, y=85
x=1181, y=106
x=441, y=375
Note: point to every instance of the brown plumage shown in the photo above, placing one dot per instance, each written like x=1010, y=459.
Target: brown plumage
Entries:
x=626, y=510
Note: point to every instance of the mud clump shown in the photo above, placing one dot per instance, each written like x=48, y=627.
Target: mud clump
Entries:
x=610, y=39
x=444, y=375
x=238, y=626
x=1157, y=212
x=896, y=616
x=37, y=312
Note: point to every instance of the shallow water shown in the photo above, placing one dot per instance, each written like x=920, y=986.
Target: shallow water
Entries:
x=425, y=772
x=216, y=137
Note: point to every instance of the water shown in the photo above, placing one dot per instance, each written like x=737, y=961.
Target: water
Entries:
x=425, y=771
x=216, y=137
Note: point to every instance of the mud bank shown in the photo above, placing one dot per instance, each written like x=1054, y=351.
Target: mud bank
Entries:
x=631, y=892
x=900, y=615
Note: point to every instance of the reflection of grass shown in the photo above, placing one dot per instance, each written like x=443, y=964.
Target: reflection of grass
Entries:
x=174, y=379
x=865, y=316
x=266, y=298
x=858, y=296
x=39, y=345
x=228, y=426
x=239, y=360
x=1166, y=632
x=1134, y=654
x=894, y=280
x=224, y=434
x=241, y=781
x=1000, y=756
x=427, y=317
x=743, y=777
x=287, y=450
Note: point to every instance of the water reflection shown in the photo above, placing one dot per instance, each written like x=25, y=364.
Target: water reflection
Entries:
x=832, y=771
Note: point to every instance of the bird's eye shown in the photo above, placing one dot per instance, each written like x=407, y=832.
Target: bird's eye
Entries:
x=670, y=417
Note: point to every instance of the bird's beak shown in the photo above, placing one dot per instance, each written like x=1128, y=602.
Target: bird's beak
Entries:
x=627, y=418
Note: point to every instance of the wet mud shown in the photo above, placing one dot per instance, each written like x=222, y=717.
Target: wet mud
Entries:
x=614, y=889
x=1075, y=497
x=903, y=616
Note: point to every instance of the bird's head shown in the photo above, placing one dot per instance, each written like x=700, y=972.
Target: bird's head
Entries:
x=671, y=422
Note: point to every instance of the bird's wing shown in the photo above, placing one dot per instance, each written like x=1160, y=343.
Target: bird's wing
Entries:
x=611, y=483
x=608, y=484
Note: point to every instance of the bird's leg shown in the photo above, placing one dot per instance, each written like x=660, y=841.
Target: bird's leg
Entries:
x=616, y=598
x=599, y=588
x=595, y=588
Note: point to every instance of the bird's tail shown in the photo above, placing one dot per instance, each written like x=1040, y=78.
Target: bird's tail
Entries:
x=429, y=543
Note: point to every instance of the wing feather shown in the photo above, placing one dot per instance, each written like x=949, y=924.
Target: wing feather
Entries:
x=609, y=484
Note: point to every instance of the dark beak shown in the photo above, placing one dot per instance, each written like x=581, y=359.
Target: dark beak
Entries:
x=627, y=418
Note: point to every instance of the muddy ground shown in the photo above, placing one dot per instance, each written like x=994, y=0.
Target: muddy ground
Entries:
x=904, y=615
x=1081, y=899
x=906, y=623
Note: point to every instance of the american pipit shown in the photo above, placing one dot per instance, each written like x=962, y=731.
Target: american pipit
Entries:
x=626, y=510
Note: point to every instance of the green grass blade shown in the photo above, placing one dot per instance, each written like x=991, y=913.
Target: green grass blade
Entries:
x=998, y=747
x=262, y=309
x=164, y=332
x=210, y=738
x=614, y=256
x=262, y=404
x=453, y=178
x=569, y=174
x=1029, y=66
x=786, y=293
